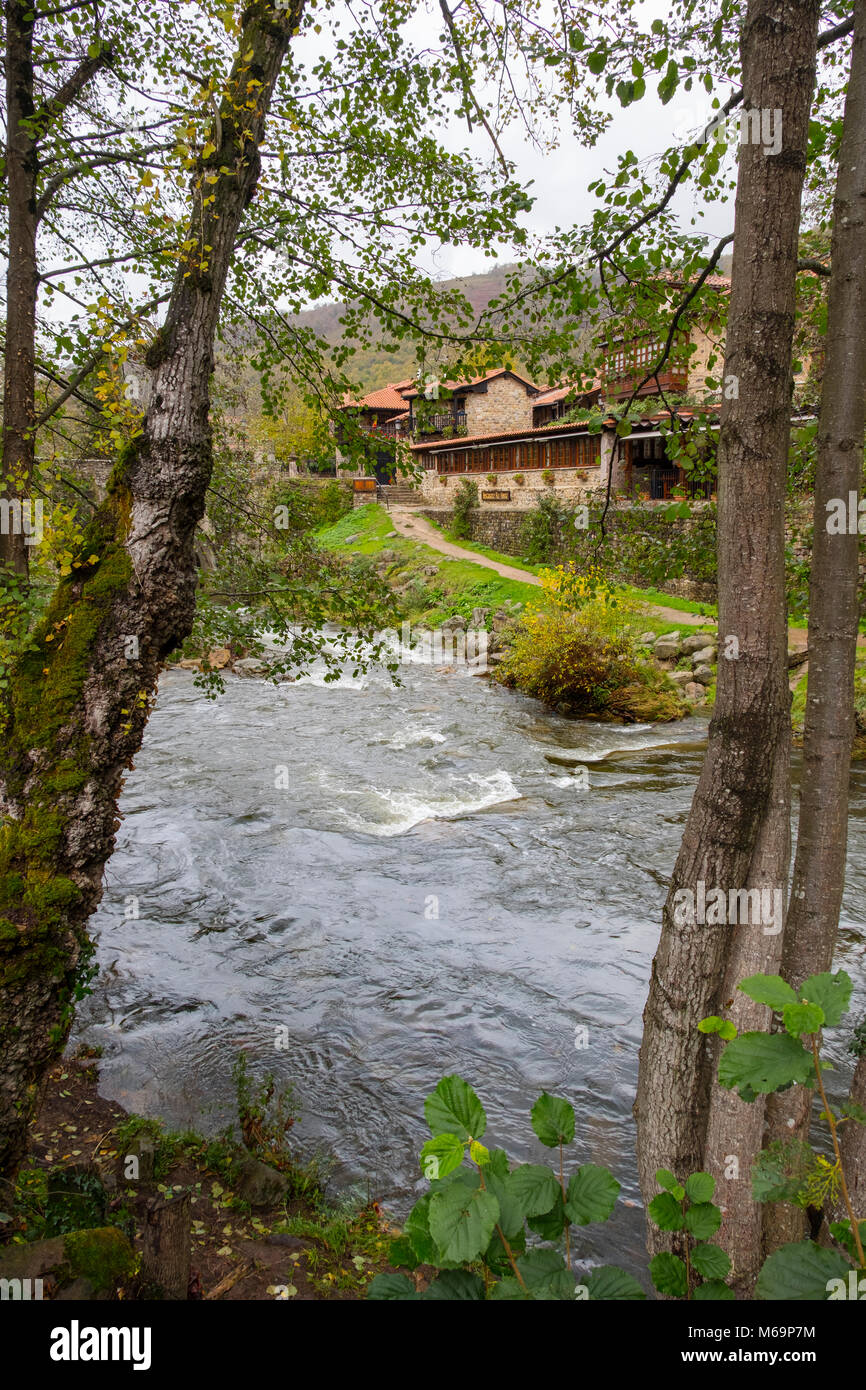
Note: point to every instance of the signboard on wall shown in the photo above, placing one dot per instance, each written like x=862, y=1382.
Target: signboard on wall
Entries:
x=364, y=484
x=496, y=494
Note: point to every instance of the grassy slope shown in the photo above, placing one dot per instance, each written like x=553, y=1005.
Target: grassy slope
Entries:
x=459, y=585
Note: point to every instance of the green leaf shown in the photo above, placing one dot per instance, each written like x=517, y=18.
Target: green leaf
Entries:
x=591, y=1195
x=441, y=1155
x=455, y=1285
x=401, y=1253
x=607, y=1284
x=713, y=1291
x=545, y=1274
x=551, y=1224
x=780, y=1172
x=703, y=1220
x=508, y=1290
x=392, y=1287
x=553, y=1120
x=666, y=1212
x=700, y=1187
x=800, y=1271
x=454, y=1108
x=854, y=1111
x=723, y=1026
x=759, y=1063
x=462, y=1221
x=534, y=1188
x=666, y=1179
x=596, y=61
x=832, y=993
x=710, y=1261
x=668, y=1273
x=417, y=1231
x=802, y=1018
x=768, y=989
x=495, y=1255
x=511, y=1212
x=841, y=1231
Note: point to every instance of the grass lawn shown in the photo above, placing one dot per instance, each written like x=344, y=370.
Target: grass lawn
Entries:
x=460, y=585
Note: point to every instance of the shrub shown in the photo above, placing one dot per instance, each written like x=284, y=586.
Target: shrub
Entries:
x=541, y=529
x=475, y=1224
x=465, y=500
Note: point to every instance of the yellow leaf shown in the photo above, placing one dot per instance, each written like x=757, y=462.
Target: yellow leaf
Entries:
x=209, y=149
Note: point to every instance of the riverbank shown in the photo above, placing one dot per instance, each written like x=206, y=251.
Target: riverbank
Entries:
x=257, y=1231
x=619, y=658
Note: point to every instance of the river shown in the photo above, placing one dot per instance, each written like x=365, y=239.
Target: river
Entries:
x=412, y=881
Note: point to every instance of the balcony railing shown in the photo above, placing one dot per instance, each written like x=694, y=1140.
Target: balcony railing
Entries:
x=671, y=379
x=448, y=424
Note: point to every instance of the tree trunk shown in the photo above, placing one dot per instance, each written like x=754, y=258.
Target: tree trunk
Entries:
x=165, y=1254
x=22, y=278
x=80, y=700
x=819, y=868
x=736, y=835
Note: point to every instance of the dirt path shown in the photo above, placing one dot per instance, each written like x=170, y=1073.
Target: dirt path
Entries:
x=416, y=527
x=411, y=524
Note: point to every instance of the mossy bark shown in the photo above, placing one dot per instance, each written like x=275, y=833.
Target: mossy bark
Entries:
x=82, y=695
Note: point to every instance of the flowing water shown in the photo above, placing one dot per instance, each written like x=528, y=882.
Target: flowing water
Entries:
x=411, y=881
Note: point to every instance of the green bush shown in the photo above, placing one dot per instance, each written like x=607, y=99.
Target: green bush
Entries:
x=475, y=1224
x=570, y=659
x=465, y=501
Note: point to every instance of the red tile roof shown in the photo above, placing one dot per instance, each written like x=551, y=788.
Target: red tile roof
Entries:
x=477, y=381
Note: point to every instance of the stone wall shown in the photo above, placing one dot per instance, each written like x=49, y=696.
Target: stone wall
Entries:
x=570, y=486
x=505, y=405
x=502, y=529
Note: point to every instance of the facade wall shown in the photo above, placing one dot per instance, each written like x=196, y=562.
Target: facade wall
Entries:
x=705, y=344
x=569, y=485
x=505, y=405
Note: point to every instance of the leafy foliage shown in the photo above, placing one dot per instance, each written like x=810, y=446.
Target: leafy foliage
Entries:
x=472, y=1224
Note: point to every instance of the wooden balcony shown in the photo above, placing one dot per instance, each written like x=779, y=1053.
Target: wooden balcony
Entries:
x=673, y=379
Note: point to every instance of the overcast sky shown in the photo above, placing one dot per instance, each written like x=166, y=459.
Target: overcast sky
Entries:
x=561, y=178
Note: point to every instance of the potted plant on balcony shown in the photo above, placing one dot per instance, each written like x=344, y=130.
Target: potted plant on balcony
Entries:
x=519, y=479
x=548, y=476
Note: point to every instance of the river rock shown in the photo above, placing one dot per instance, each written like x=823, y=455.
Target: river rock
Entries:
x=704, y=675
x=453, y=624
x=31, y=1261
x=249, y=666
x=430, y=570
x=695, y=642
x=705, y=656
x=501, y=619
x=693, y=691
x=190, y=663
x=479, y=617
x=646, y=639
x=667, y=648
x=390, y=536
x=681, y=677
x=258, y=1184
x=219, y=658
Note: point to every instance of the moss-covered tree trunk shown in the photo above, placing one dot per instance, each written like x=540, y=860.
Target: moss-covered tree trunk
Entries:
x=81, y=697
